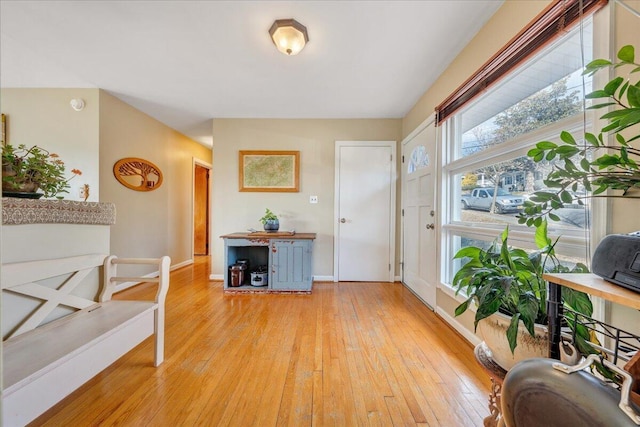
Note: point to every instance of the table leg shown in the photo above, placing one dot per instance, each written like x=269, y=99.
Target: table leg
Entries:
x=495, y=410
x=554, y=311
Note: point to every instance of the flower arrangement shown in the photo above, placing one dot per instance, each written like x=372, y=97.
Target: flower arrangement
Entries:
x=29, y=169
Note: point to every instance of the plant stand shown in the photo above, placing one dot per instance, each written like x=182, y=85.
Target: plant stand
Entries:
x=496, y=374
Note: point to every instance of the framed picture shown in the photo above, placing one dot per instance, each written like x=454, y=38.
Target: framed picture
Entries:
x=3, y=129
x=270, y=171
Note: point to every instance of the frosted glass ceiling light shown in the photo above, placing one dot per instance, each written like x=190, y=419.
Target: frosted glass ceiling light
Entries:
x=289, y=36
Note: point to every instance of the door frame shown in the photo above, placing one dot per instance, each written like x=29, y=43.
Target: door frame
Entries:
x=437, y=205
x=195, y=161
x=392, y=205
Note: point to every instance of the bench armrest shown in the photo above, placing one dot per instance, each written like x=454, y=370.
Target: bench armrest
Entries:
x=111, y=278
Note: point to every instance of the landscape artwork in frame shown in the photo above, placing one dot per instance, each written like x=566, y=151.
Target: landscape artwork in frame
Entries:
x=272, y=171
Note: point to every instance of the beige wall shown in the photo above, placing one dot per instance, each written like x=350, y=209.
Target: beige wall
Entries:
x=154, y=223
x=45, y=118
x=315, y=139
x=510, y=19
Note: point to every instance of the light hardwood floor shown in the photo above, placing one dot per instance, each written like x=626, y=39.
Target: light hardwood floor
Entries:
x=350, y=354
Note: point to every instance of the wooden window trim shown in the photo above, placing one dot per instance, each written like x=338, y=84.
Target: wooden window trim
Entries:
x=551, y=23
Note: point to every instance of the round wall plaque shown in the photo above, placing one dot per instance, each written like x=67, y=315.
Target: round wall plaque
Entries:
x=137, y=174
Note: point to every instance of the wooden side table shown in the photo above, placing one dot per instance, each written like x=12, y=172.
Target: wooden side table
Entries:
x=497, y=374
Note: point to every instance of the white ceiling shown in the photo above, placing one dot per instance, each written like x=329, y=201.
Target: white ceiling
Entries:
x=186, y=62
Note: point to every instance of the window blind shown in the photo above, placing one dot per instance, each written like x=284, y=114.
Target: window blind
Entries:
x=557, y=18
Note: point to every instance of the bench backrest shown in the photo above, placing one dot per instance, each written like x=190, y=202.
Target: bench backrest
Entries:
x=22, y=278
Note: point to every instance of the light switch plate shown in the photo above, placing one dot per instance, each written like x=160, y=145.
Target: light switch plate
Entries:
x=313, y=199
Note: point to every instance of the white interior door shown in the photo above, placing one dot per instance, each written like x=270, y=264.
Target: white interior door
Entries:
x=365, y=201
x=419, y=220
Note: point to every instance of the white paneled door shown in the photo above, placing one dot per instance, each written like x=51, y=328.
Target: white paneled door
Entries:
x=419, y=220
x=365, y=211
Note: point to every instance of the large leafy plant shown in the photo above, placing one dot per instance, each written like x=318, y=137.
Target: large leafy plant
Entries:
x=509, y=280
x=595, y=163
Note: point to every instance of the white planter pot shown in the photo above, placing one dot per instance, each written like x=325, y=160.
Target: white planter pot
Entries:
x=493, y=330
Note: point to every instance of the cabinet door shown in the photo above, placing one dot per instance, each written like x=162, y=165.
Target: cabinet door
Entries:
x=291, y=265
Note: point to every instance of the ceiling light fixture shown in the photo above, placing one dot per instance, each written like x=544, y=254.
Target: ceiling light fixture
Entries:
x=289, y=36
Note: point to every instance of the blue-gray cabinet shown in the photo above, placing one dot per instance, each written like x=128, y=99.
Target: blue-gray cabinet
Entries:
x=288, y=258
x=291, y=265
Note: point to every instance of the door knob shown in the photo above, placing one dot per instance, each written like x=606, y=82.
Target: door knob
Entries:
x=431, y=226
x=342, y=220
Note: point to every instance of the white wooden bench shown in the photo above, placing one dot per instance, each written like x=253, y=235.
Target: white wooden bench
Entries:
x=44, y=363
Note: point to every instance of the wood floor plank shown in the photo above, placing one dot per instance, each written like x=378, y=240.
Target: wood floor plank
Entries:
x=349, y=354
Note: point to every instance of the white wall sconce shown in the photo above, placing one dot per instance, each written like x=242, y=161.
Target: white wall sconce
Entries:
x=77, y=104
x=289, y=36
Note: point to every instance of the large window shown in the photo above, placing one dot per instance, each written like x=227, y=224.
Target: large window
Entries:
x=487, y=173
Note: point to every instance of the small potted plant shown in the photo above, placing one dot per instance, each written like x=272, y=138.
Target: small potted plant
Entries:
x=25, y=170
x=270, y=221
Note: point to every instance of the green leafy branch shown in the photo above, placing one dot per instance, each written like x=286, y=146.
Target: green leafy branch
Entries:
x=616, y=169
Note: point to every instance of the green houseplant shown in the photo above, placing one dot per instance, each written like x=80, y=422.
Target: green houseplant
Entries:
x=606, y=161
x=25, y=170
x=270, y=221
x=503, y=279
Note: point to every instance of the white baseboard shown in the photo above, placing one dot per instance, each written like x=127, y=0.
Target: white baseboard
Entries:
x=397, y=279
x=181, y=264
x=315, y=278
x=126, y=285
x=466, y=333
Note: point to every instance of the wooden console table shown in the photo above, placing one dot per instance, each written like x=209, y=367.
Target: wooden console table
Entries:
x=288, y=257
x=585, y=282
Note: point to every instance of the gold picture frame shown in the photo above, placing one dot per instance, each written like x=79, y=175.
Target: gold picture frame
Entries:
x=269, y=171
x=137, y=174
x=3, y=129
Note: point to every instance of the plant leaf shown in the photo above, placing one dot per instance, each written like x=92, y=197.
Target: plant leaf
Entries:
x=512, y=332
x=597, y=94
x=462, y=307
x=577, y=301
x=633, y=96
x=528, y=305
x=611, y=87
x=598, y=106
x=469, y=251
x=566, y=197
x=546, y=145
x=567, y=137
x=541, y=237
x=591, y=139
x=626, y=53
